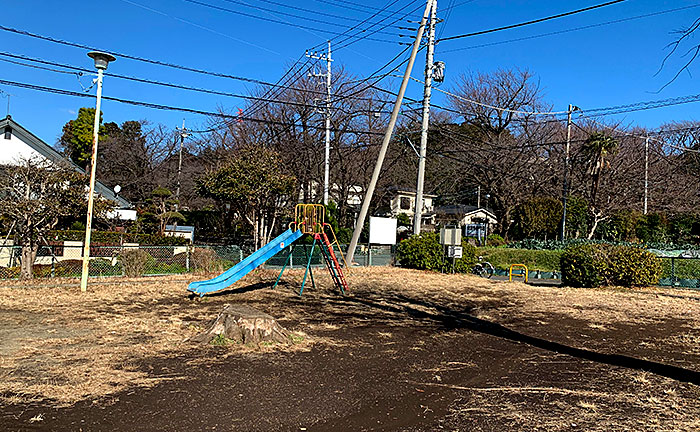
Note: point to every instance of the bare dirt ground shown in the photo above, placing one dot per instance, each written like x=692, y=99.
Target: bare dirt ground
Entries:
x=405, y=350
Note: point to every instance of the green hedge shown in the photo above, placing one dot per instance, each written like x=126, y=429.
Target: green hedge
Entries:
x=116, y=238
x=592, y=265
x=503, y=258
x=424, y=252
x=684, y=268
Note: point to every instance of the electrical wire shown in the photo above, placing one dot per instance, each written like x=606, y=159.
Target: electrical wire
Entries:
x=558, y=32
x=174, y=108
x=276, y=21
x=354, y=6
x=151, y=61
x=350, y=41
x=526, y=23
x=80, y=71
x=315, y=12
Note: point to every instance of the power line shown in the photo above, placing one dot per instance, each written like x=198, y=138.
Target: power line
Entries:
x=174, y=108
x=558, y=32
x=356, y=6
x=80, y=71
x=150, y=61
x=194, y=24
x=536, y=21
x=288, y=6
x=365, y=30
x=276, y=21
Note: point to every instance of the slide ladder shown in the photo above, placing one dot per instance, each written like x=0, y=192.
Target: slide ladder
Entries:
x=332, y=263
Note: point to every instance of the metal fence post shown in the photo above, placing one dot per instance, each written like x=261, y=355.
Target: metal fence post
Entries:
x=187, y=259
x=291, y=257
x=673, y=271
x=369, y=256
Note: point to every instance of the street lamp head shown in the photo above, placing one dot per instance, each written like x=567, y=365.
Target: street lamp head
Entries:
x=117, y=189
x=101, y=59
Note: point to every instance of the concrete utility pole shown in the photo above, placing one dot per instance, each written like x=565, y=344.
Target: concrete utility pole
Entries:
x=360, y=222
x=565, y=192
x=646, y=173
x=183, y=135
x=101, y=61
x=478, y=197
x=327, y=75
x=427, y=89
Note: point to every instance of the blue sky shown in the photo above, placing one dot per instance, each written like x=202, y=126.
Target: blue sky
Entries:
x=597, y=67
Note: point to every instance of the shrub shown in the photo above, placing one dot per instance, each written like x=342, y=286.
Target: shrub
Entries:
x=468, y=260
x=591, y=265
x=495, y=240
x=630, y=266
x=502, y=258
x=9, y=272
x=424, y=252
x=204, y=260
x=134, y=262
x=579, y=267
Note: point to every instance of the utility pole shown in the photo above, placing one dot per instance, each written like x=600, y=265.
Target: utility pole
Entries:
x=427, y=89
x=646, y=173
x=183, y=135
x=565, y=193
x=478, y=197
x=360, y=222
x=101, y=61
x=327, y=76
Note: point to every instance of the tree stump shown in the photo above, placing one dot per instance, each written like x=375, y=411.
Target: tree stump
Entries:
x=244, y=324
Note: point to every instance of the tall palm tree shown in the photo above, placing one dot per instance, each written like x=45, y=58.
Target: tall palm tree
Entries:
x=596, y=148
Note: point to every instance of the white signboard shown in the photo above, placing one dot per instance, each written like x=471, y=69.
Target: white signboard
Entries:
x=454, y=252
x=450, y=236
x=382, y=230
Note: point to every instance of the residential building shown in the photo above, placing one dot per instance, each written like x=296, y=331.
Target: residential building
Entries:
x=17, y=143
x=404, y=202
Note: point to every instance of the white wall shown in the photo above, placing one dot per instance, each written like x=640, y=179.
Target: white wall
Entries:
x=14, y=150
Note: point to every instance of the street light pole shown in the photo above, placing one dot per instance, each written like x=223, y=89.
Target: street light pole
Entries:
x=101, y=61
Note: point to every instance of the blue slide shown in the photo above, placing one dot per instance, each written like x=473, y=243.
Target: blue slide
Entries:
x=250, y=263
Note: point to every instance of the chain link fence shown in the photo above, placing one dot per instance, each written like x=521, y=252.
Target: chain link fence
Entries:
x=66, y=260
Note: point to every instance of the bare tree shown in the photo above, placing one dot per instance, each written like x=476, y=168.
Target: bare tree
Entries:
x=34, y=195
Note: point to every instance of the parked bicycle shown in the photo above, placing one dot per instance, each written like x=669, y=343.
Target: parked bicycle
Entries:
x=483, y=268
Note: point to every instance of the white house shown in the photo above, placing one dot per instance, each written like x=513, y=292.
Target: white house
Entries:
x=467, y=216
x=184, y=231
x=17, y=143
x=404, y=202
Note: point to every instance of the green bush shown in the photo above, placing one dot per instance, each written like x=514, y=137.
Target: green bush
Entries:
x=495, y=240
x=424, y=252
x=630, y=266
x=579, y=267
x=134, y=262
x=503, y=258
x=592, y=265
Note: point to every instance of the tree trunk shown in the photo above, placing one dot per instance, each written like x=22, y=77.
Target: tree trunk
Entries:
x=29, y=252
x=244, y=324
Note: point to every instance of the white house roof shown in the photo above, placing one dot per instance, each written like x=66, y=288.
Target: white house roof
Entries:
x=464, y=210
x=37, y=146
